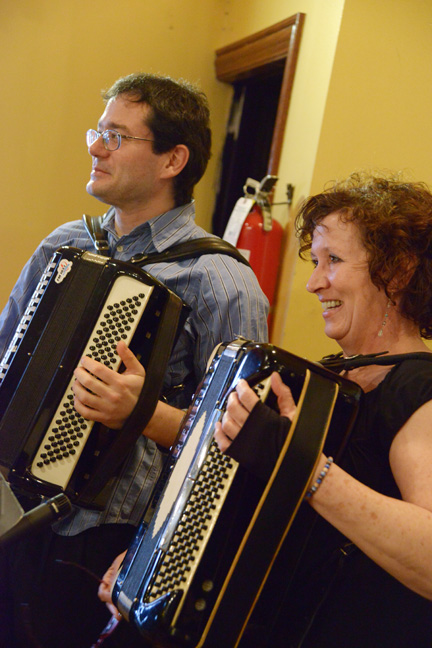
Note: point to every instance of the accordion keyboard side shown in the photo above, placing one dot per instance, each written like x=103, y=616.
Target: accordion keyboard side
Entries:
x=36, y=363
x=29, y=312
x=175, y=485
x=84, y=304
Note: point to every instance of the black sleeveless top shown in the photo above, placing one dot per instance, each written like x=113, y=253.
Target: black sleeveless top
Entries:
x=338, y=597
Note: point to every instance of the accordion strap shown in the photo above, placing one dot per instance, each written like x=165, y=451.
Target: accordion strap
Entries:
x=179, y=252
x=338, y=363
x=93, y=225
x=191, y=249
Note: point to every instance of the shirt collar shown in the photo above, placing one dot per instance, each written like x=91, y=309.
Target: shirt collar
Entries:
x=163, y=231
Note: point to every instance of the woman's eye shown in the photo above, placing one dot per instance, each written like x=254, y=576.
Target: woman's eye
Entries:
x=334, y=259
x=314, y=262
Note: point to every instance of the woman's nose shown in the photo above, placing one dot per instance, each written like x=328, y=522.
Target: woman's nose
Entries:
x=318, y=280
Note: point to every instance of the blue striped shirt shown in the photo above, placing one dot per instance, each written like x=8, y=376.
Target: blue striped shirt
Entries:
x=226, y=301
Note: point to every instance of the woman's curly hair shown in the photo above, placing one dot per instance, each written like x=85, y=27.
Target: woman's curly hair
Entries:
x=395, y=224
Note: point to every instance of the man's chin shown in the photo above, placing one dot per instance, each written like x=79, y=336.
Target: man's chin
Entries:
x=93, y=191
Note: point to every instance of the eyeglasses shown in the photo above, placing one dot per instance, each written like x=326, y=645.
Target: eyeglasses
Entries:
x=111, y=139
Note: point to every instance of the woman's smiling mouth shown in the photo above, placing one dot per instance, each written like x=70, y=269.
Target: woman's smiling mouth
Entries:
x=328, y=305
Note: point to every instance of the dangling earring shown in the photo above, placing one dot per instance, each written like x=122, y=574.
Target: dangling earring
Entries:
x=380, y=332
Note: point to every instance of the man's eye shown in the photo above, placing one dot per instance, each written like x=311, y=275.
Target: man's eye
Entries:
x=314, y=262
x=334, y=259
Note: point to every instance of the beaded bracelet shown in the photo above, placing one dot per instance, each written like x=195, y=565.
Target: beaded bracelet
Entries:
x=313, y=489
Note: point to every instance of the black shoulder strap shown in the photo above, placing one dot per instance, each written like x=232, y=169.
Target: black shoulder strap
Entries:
x=338, y=363
x=191, y=249
x=186, y=250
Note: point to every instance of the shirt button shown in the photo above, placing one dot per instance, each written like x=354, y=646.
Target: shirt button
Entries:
x=120, y=248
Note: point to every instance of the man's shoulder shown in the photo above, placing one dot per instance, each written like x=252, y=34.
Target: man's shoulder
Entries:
x=72, y=233
x=227, y=277
x=71, y=228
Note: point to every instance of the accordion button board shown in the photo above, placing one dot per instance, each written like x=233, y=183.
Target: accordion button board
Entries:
x=68, y=432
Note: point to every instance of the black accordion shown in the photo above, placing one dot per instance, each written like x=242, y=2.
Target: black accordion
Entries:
x=83, y=305
x=202, y=554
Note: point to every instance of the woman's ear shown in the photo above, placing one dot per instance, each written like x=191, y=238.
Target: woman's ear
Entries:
x=403, y=276
x=176, y=160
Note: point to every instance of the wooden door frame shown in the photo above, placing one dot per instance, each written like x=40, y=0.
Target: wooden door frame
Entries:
x=276, y=46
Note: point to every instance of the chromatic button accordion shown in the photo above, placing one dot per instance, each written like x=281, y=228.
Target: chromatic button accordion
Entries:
x=199, y=560
x=84, y=304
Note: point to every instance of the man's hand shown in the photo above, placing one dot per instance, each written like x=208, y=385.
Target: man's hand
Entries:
x=104, y=395
x=105, y=588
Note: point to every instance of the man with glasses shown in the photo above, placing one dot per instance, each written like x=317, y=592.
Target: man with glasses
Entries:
x=150, y=148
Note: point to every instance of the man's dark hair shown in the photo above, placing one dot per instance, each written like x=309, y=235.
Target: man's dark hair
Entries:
x=179, y=114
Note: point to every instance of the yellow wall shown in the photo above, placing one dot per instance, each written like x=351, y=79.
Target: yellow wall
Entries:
x=56, y=57
x=58, y=54
x=377, y=116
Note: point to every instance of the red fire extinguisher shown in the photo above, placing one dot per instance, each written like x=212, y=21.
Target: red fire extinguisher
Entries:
x=258, y=235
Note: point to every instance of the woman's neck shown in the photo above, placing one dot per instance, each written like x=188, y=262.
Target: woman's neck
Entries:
x=400, y=335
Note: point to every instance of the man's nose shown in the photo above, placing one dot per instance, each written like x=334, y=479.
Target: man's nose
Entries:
x=97, y=149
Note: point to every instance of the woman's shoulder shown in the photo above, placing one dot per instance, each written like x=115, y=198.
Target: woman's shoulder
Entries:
x=410, y=378
x=405, y=389
x=414, y=367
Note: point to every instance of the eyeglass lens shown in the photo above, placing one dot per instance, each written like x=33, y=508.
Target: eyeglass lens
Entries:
x=111, y=139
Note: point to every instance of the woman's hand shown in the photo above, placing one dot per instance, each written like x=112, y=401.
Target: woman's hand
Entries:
x=104, y=395
x=285, y=400
x=105, y=588
x=240, y=404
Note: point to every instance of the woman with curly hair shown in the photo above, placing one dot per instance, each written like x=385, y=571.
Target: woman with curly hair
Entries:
x=366, y=575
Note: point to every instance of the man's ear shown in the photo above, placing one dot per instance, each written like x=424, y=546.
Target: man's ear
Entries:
x=176, y=160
